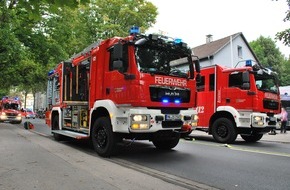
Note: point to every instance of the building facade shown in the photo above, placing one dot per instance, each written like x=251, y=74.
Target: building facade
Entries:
x=231, y=51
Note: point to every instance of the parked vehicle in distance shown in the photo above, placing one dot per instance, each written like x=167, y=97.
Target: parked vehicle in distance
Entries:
x=30, y=114
x=10, y=110
x=40, y=114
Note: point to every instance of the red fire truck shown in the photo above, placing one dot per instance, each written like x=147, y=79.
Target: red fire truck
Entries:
x=234, y=101
x=141, y=87
x=10, y=110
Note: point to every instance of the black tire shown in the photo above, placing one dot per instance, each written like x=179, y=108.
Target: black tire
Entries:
x=167, y=144
x=55, y=126
x=252, y=138
x=103, y=138
x=224, y=131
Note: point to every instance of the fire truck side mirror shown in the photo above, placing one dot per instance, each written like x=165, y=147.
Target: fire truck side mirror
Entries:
x=246, y=77
x=197, y=65
x=198, y=78
x=118, y=57
x=117, y=65
x=246, y=80
x=118, y=51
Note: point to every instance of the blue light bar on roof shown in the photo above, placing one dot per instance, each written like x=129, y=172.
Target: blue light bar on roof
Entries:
x=177, y=40
x=249, y=63
x=134, y=30
x=51, y=72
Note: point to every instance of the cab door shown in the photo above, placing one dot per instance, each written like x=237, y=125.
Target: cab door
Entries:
x=206, y=98
x=236, y=93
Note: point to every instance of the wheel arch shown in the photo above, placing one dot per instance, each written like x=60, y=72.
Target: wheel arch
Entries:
x=54, y=113
x=97, y=113
x=220, y=114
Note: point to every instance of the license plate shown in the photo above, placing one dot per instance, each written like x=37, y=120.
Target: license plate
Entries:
x=272, y=119
x=172, y=117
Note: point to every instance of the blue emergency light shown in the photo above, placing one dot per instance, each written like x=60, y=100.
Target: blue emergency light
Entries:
x=165, y=100
x=177, y=101
x=177, y=40
x=51, y=72
x=134, y=30
x=249, y=63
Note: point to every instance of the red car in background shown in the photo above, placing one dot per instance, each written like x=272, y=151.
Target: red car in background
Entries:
x=30, y=114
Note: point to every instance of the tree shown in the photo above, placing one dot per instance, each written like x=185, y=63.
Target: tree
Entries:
x=115, y=17
x=18, y=22
x=102, y=19
x=285, y=76
x=269, y=55
x=35, y=35
x=284, y=36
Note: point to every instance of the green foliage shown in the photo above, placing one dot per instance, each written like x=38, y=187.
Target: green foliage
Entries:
x=11, y=53
x=285, y=76
x=270, y=56
x=36, y=35
x=284, y=36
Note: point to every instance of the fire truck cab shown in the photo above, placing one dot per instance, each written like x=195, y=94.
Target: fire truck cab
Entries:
x=141, y=87
x=232, y=101
x=10, y=110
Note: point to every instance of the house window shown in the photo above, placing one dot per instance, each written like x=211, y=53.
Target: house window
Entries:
x=240, y=52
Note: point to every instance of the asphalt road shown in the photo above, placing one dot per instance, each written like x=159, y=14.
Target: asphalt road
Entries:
x=31, y=161
x=262, y=165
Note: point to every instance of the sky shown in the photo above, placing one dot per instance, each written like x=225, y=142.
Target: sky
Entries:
x=192, y=20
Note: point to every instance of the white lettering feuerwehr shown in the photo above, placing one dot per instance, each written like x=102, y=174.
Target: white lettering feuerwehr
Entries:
x=170, y=81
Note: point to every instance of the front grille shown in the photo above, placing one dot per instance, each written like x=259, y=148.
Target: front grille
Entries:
x=11, y=114
x=172, y=124
x=270, y=104
x=170, y=94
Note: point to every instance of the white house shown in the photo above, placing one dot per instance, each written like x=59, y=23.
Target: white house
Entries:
x=231, y=51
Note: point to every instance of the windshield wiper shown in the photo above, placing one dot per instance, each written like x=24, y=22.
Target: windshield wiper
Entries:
x=178, y=73
x=153, y=71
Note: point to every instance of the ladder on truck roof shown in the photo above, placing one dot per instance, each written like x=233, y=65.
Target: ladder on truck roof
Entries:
x=86, y=50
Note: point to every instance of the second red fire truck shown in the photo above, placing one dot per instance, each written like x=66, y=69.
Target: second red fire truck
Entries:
x=141, y=87
x=234, y=101
x=10, y=110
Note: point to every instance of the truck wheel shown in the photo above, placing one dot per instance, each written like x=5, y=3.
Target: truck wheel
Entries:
x=103, y=138
x=223, y=131
x=252, y=138
x=167, y=144
x=55, y=126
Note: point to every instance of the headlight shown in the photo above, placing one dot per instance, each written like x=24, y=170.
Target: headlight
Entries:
x=258, y=121
x=139, y=118
x=3, y=113
x=140, y=122
x=258, y=118
x=19, y=115
x=195, y=117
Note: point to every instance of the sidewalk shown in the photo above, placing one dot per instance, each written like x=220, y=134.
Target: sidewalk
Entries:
x=30, y=161
x=279, y=137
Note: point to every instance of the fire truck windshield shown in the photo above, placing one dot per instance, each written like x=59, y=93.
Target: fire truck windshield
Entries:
x=163, y=61
x=11, y=106
x=266, y=83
